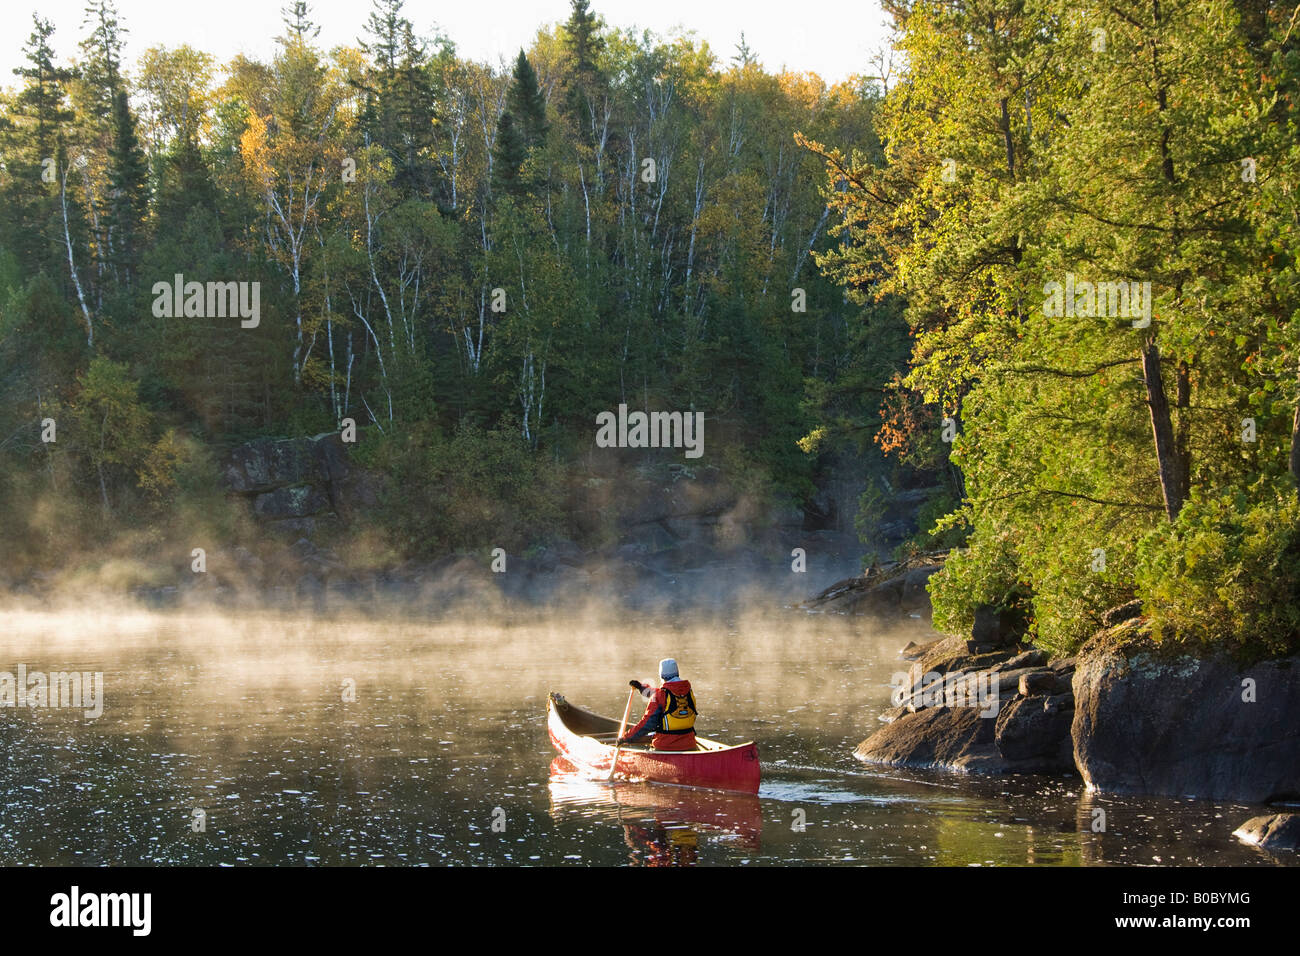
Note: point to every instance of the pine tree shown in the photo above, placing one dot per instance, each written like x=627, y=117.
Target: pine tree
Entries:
x=508, y=155
x=385, y=25
x=102, y=72
x=744, y=55
x=525, y=101
x=297, y=23
x=36, y=124
x=128, y=182
x=398, y=112
x=42, y=99
x=584, y=43
x=587, y=84
x=413, y=100
x=521, y=129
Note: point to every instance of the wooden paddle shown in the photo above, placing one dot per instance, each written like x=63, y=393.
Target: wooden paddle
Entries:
x=621, y=727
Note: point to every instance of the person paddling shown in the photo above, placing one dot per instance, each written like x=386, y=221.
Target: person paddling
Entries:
x=669, y=715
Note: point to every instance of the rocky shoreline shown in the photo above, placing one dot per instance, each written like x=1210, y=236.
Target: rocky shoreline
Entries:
x=1124, y=716
x=897, y=587
x=1000, y=711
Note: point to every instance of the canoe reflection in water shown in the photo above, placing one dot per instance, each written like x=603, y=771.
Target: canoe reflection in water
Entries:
x=663, y=825
x=658, y=845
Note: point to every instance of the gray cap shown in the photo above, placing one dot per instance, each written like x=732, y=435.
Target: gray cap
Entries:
x=668, y=669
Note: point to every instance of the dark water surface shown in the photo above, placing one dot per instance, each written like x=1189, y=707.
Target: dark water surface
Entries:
x=443, y=756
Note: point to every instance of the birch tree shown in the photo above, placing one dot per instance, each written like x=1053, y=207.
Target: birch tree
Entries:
x=292, y=151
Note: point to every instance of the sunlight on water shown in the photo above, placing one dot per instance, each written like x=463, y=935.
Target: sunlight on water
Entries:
x=265, y=739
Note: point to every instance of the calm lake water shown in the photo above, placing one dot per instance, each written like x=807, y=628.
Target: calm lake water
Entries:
x=443, y=757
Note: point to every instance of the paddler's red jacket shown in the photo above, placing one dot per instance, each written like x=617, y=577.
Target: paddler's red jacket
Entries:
x=652, y=721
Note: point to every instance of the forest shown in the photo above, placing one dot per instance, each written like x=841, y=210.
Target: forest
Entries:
x=1039, y=255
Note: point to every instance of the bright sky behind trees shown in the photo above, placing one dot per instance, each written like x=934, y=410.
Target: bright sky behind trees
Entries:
x=835, y=43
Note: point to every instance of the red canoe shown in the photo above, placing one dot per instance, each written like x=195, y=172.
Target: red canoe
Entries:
x=587, y=741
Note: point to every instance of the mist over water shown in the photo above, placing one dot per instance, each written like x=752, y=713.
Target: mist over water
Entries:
x=243, y=716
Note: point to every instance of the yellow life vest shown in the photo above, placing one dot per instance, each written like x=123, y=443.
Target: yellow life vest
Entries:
x=679, y=713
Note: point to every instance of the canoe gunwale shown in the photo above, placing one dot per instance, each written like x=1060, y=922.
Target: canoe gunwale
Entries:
x=565, y=710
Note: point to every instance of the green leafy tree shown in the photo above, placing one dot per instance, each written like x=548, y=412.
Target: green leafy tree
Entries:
x=111, y=424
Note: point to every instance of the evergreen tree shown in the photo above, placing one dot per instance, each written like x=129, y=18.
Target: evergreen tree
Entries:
x=521, y=129
x=584, y=42
x=526, y=103
x=587, y=85
x=102, y=69
x=744, y=55
x=386, y=26
x=42, y=99
x=399, y=106
x=508, y=154
x=34, y=137
x=128, y=179
x=297, y=21
x=413, y=103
